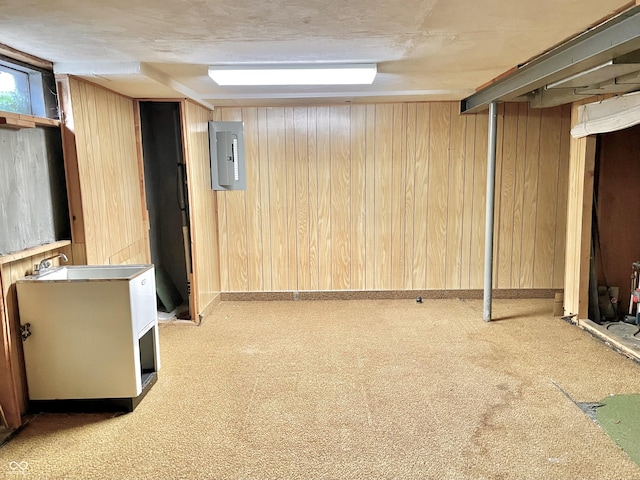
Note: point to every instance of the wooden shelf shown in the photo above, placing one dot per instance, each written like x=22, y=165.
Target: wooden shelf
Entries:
x=17, y=121
x=30, y=252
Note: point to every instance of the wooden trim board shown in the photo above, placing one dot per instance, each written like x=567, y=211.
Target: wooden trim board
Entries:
x=9, y=400
x=11, y=52
x=618, y=344
x=30, y=252
x=21, y=120
x=386, y=294
x=70, y=153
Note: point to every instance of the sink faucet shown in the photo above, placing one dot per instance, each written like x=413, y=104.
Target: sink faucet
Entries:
x=45, y=264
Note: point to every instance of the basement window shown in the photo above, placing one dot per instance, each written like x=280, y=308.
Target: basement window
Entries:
x=14, y=91
x=21, y=90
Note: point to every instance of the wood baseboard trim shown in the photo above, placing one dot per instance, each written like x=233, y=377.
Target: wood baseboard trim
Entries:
x=385, y=294
x=208, y=309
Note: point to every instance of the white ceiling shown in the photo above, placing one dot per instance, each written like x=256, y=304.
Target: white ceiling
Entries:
x=425, y=49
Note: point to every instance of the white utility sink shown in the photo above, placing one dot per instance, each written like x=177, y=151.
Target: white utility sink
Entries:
x=92, y=331
x=90, y=272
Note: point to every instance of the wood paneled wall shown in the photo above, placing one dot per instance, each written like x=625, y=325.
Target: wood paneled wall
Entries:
x=392, y=196
x=13, y=388
x=205, y=281
x=103, y=174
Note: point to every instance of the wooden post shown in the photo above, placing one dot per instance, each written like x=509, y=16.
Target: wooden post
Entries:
x=579, y=205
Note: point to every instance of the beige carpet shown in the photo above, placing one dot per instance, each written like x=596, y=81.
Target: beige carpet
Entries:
x=353, y=390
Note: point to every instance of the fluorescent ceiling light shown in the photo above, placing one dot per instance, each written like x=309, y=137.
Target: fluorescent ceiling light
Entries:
x=339, y=74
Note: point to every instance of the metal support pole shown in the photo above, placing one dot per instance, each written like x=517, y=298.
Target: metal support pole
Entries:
x=491, y=187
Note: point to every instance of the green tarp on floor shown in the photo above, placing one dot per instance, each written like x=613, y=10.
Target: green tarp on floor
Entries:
x=620, y=418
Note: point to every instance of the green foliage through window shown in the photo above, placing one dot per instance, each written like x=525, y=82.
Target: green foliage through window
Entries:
x=14, y=102
x=14, y=91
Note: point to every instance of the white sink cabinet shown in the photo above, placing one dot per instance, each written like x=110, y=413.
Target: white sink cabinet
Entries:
x=93, y=332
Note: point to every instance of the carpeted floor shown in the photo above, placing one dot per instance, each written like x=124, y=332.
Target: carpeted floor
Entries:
x=353, y=390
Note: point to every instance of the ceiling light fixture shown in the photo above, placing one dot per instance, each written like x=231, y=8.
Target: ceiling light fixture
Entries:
x=320, y=74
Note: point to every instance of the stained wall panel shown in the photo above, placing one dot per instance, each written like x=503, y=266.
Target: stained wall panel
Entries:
x=33, y=198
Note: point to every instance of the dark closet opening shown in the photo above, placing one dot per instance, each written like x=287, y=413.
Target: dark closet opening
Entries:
x=166, y=195
x=616, y=231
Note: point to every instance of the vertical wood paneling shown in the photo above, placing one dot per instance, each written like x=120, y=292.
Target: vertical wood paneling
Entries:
x=579, y=212
x=71, y=167
x=323, y=137
x=518, y=207
x=13, y=391
x=398, y=214
x=467, y=226
x=84, y=113
x=225, y=258
x=420, y=184
x=312, y=143
x=574, y=202
x=10, y=402
x=370, y=195
x=140, y=155
x=302, y=197
x=393, y=197
x=231, y=205
x=478, y=222
x=550, y=145
x=277, y=198
x=100, y=134
x=437, y=195
x=530, y=202
x=340, y=198
x=587, y=151
x=409, y=195
x=291, y=207
x=563, y=193
x=455, y=201
x=205, y=285
x=264, y=188
x=504, y=228
x=384, y=194
x=254, y=208
x=358, y=135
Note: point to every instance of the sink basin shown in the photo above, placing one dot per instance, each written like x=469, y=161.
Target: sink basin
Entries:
x=90, y=272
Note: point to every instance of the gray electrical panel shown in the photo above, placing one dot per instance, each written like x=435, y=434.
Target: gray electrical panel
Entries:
x=226, y=147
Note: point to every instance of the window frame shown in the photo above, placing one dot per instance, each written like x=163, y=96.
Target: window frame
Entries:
x=38, y=90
